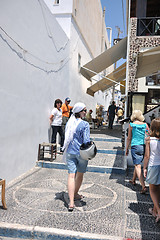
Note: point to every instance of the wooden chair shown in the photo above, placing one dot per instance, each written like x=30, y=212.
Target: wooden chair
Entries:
x=47, y=151
x=2, y=182
x=95, y=121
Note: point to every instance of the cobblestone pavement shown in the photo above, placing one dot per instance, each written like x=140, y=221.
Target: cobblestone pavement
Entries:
x=112, y=208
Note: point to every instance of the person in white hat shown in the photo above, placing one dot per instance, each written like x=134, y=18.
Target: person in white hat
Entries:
x=77, y=132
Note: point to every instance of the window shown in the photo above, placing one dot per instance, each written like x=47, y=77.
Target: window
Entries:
x=153, y=96
x=148, y=26
x=153, y=80
x=56, y=2
x=138, y=102
x=79, y=62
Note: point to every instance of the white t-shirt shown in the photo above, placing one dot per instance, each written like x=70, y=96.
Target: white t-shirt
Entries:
x=154, y=152
x=57, y=117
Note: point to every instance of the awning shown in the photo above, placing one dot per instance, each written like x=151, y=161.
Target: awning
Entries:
x=110, y=80
x=148, y=62
x=105, y=59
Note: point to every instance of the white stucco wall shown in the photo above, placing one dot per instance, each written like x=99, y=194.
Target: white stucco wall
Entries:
x=64, y=6
x=62, y=13
x=78, y=84
x=142, y=87
x=65, y=23
x=34, y=63
x=86, y=40
x=90, y=20
x=39, y=63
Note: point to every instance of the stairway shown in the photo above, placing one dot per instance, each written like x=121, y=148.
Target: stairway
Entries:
x=110, y=155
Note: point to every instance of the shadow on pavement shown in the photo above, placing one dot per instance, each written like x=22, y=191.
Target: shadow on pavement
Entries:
x=149, y=228
x=63, y=196
x=137, y=203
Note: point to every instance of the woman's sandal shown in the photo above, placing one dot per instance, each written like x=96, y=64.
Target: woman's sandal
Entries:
x=70, y=208
x=144, y=190
x=150, y=210
x=132, y=182
x=78, y=197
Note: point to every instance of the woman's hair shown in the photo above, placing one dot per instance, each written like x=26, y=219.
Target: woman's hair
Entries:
x=155, y=128
x=77, y=115
x=137, y=115
x=57, y=101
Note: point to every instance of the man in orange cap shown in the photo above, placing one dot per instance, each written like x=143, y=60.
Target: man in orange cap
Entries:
x=65, y=112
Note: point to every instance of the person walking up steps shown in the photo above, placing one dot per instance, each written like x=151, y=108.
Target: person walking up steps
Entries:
x=111, y=114
x=77, y=132
x=136, y=136
x=152, y=160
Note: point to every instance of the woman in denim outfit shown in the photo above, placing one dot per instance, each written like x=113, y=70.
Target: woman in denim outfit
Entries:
x=136, y=136
x=77, y=132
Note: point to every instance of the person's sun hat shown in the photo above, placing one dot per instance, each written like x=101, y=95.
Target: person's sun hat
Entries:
x=78, y=107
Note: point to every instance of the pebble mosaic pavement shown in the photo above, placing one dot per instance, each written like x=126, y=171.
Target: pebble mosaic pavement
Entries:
x=112, y=207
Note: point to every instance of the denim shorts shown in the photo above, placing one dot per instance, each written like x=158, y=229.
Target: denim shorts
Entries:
x=137, y=152
x=153, y=175
x=75, y=163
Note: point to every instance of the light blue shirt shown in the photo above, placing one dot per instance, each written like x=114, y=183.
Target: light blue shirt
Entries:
x=82, y=135
x=138, y=133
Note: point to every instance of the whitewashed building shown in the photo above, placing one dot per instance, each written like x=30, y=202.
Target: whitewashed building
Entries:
x=84, y=24
x=43, y=45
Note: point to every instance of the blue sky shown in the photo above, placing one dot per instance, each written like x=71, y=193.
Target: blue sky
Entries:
x=114, y=16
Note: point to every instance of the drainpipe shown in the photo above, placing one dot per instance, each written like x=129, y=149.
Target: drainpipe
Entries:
x=110, y=41
x=110, y=38
x=103, y=20
x=128, y=160
x=127, y=65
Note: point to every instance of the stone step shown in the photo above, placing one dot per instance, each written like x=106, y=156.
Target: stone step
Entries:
x=110, y=154
x=110, y=157
x=104, y=139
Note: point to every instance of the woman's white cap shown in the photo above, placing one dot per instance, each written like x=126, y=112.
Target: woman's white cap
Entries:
x=78, y=107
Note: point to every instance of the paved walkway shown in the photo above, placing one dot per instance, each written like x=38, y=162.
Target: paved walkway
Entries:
x=112, y=208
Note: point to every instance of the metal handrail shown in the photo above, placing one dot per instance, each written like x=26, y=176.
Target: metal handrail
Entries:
x=149, y=26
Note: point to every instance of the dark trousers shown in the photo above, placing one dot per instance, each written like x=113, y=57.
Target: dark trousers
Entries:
x=58, y=129
x=111, y=120
x=64, y=122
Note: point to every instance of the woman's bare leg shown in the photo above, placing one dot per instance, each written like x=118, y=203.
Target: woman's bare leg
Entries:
x=139, y=175
x=134, y=175
x=78, y=182
x=154, y=192
x=71, y=188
